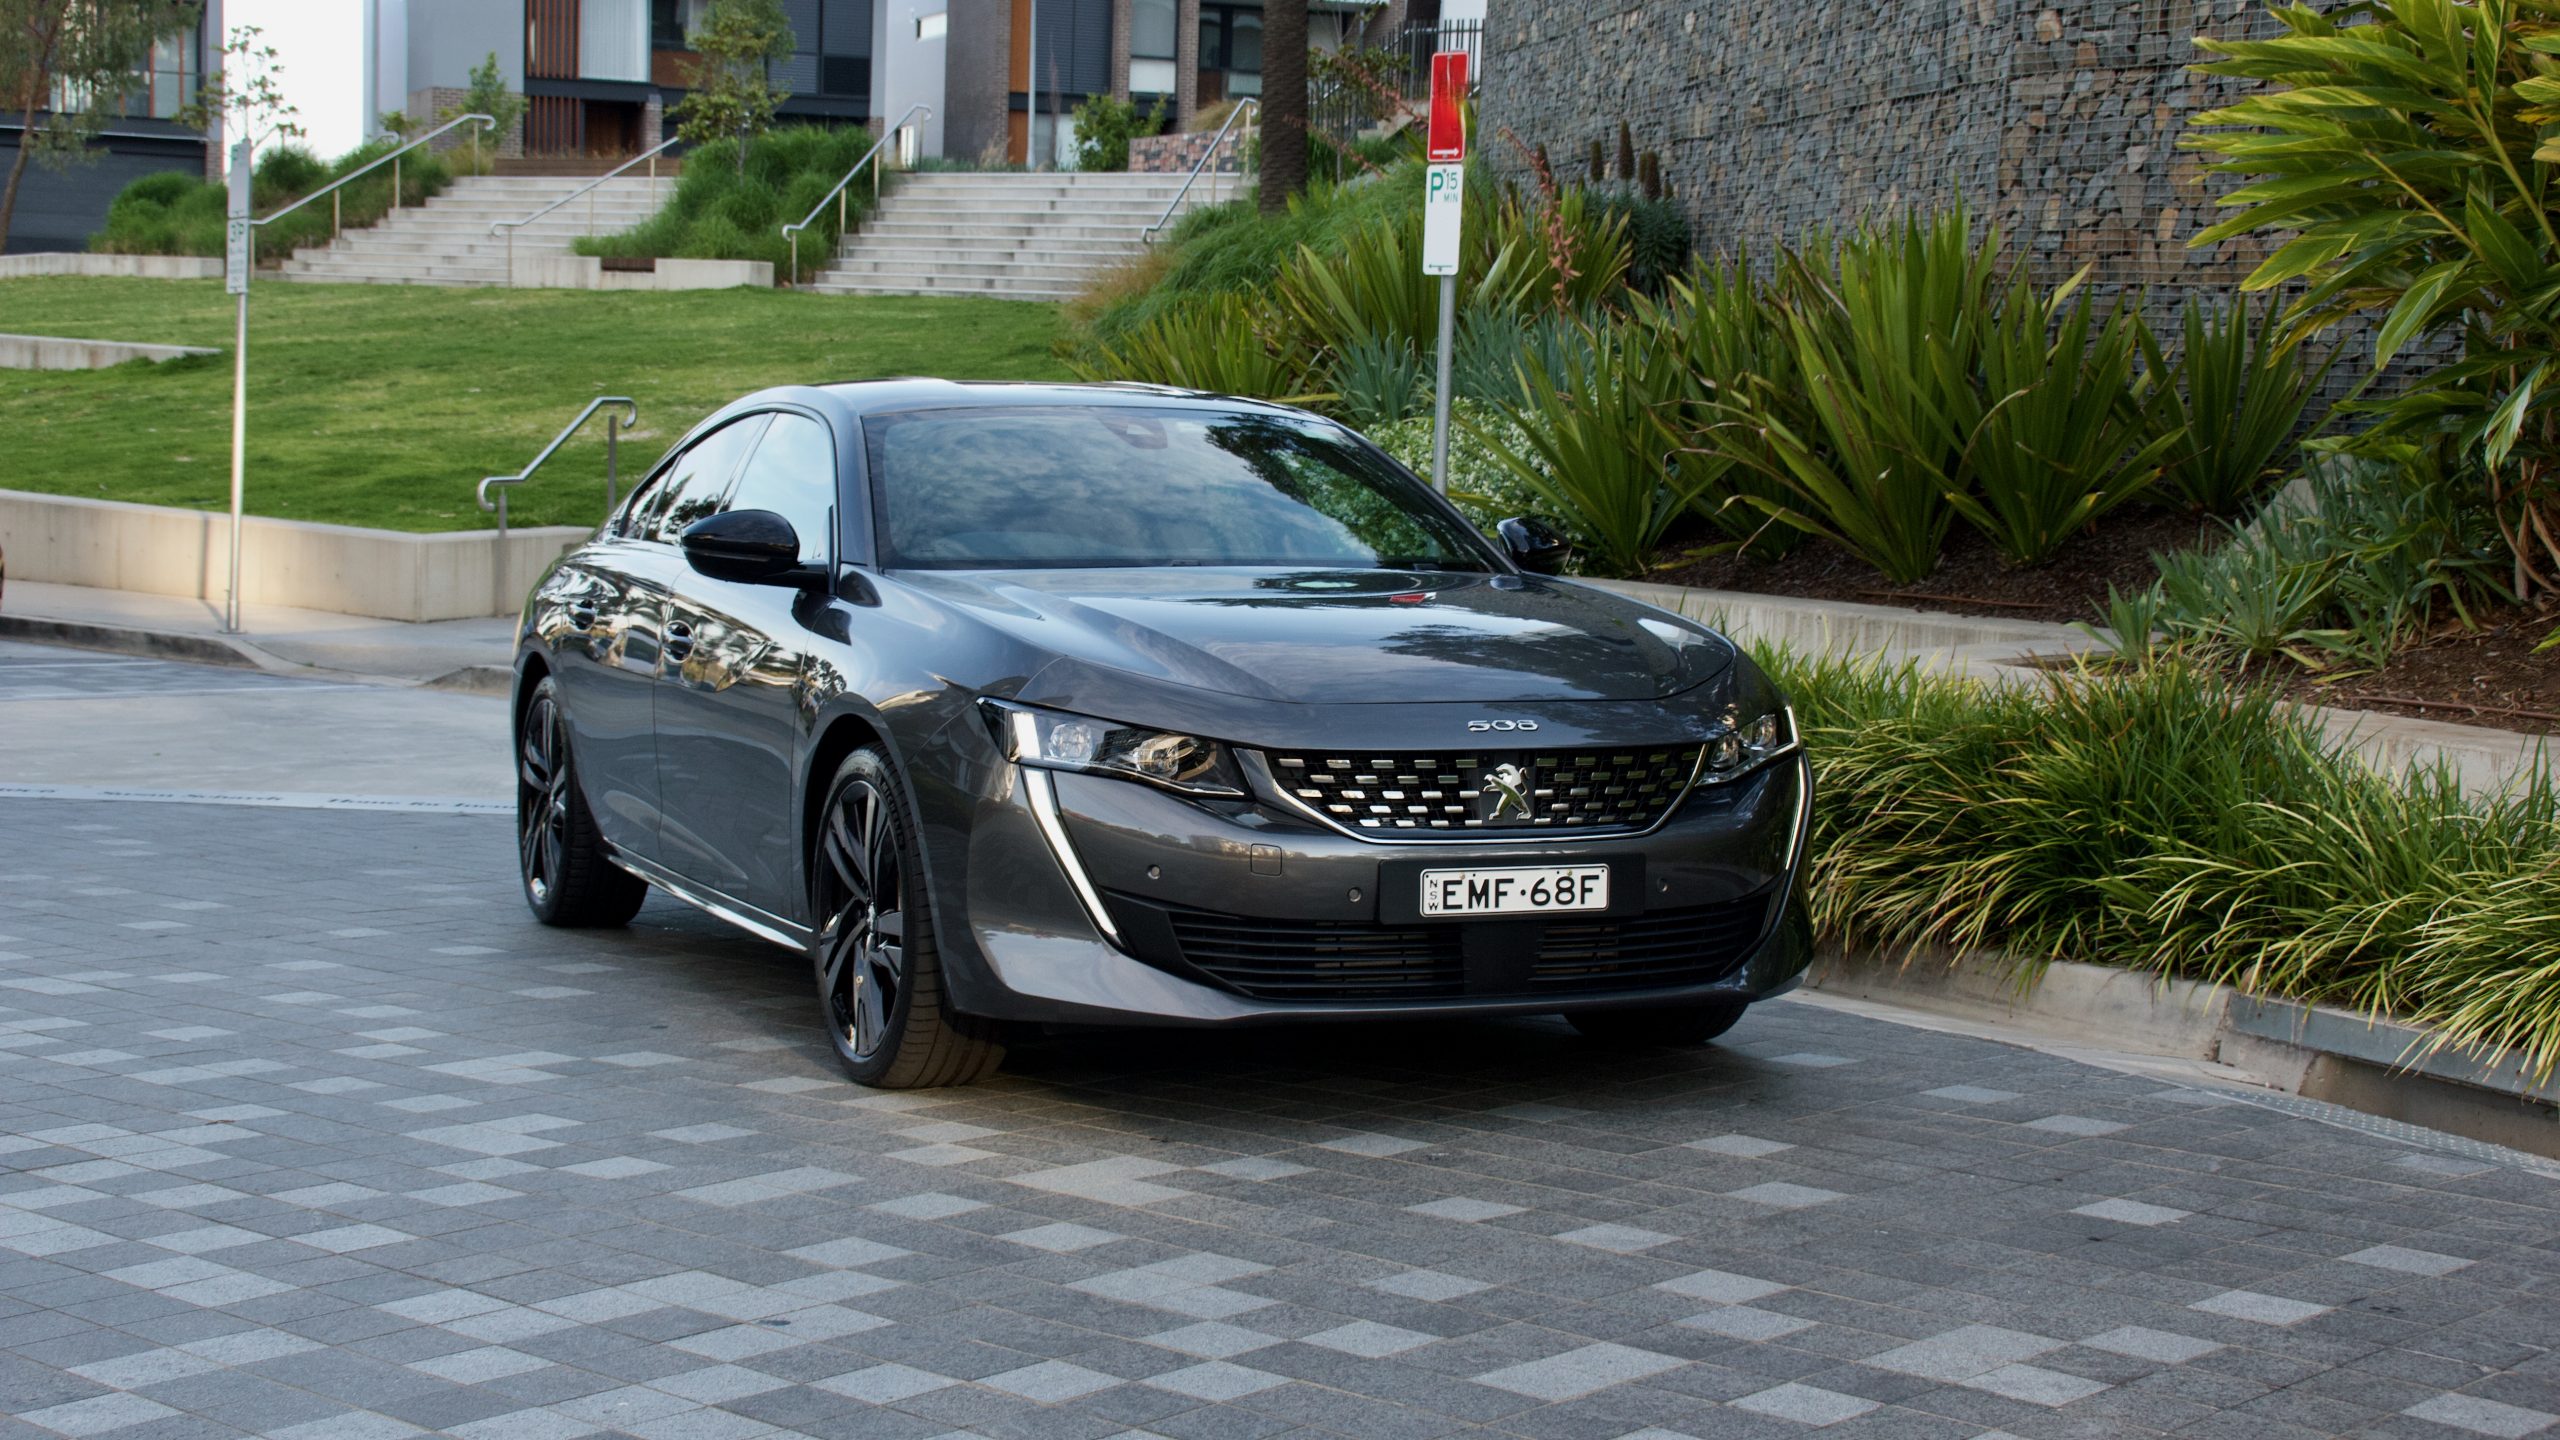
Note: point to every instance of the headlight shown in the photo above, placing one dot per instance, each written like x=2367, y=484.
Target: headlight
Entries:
x=1055, y=740
x=1753, y=725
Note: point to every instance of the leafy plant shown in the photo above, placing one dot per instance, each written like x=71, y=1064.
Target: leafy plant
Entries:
x=2057, y=436
x=2168, y=815
x=1216, y=345
x=1862, y=441
x=488, y=95
x=2234, y=397
x=732, y=95
x=725, y=210
x=1481, y=485
x=1657, y=238
x=1600, y=447
x=2409, y=156
x=1379, y=381
x=2356, y=561
x=1106, y=124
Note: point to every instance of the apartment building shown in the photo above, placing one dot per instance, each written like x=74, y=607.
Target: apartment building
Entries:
x=60, y=209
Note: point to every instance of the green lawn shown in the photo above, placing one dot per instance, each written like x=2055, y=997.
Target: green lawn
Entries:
x=383, y=406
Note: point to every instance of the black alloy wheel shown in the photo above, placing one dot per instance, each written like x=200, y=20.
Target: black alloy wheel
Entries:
x=878, y=970
x=569, y=879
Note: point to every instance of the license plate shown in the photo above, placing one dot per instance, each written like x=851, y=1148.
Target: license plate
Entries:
x=1543, y=890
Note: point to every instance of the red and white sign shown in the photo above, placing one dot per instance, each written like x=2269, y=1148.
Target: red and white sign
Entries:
x=1447, y=137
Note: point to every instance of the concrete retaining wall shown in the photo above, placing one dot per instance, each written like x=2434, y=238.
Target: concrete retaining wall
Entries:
x=587, y=272
x=162, y=550
x=51, y=352
x=145, y=267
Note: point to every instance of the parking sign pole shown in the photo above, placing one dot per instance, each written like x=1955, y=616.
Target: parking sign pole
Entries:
x=1444, y=207
x=235, y=278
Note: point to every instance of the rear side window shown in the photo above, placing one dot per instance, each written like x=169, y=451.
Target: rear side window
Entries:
x=693, y=487
x=793, y=474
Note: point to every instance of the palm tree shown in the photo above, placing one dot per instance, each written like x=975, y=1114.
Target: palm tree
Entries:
x=1284, y=102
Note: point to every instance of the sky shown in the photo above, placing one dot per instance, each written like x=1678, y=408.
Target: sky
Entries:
x=320, y=49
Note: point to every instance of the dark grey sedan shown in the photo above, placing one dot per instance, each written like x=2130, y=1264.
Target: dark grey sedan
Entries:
x=1120, y=705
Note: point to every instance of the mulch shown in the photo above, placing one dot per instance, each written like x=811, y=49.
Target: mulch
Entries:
x=2491, y=676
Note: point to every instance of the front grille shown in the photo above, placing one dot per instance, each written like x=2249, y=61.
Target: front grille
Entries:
x=1316, y=960
x=1564, y=789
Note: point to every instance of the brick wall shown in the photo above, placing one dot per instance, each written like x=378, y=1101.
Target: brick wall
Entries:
x=2058, y=121
x=428, y=107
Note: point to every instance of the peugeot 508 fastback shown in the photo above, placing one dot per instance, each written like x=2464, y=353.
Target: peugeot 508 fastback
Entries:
x=1061, y=705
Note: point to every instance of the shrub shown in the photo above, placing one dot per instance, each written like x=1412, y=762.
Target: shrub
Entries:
x=2172, y=817
x=1216, y=345
x=1481, y=484
x=1863, y=445
x=722, y=210
x=2235, y=398
x=174, y=213
x=1657, y=238
x=1601, y=448
x=2057, y=436
x=1378, y=381
x=2357, y=560
x=2404, y=147
x=1104, y=128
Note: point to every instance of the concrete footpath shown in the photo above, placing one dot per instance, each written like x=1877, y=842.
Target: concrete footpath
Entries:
x=469, y=655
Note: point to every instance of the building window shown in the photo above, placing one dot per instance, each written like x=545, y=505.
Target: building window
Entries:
x=672, y=23
x=1230, y=51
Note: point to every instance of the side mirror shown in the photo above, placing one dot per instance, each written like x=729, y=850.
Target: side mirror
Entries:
x=756, y=547
x=1534, y=544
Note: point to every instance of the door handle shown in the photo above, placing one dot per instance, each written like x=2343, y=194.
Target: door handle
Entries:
x=679, y=640
x=582, y=613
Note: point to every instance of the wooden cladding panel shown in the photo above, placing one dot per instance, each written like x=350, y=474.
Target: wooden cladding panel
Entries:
x=551, y=39
x=551, y=126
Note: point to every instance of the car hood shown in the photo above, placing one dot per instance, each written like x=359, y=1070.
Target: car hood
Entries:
x=1343, y=637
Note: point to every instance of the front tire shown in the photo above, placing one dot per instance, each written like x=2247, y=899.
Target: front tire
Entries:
x=569, y=878
x=878, y=969
x=1668, y=1027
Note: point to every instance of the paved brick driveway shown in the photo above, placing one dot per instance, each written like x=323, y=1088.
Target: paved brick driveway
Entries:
x=307, y=1130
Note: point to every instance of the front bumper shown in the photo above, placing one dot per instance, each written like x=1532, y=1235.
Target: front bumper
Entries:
x=1105, y=901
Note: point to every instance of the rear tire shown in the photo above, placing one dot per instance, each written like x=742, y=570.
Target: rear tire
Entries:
x=877, y=966
x=1664, y=1027
x=569, y=876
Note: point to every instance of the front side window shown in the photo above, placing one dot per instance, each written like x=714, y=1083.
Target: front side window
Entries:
x=693, y=487
x=1036, y=487
x=793, y=474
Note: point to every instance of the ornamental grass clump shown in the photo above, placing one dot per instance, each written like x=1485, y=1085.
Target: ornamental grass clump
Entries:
x=2172, y=817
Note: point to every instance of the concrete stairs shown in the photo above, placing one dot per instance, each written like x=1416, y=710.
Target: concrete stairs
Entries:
x=447, y=241
x=1017, y=237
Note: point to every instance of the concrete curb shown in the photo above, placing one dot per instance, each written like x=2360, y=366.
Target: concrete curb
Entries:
x=2316, y=1051
x=56, y=352
x=129, y=640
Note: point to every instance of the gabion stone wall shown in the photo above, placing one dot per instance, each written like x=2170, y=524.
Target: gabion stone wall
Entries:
x=2057, y=120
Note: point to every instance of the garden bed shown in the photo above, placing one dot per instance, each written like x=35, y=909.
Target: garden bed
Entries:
x=1971, y=578
x=2491, y=676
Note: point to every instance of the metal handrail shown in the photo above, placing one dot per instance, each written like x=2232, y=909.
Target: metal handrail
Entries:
x=512, y=226
x=612, y=454
x=792, y=232
x=393, y=160
x=1148, y=235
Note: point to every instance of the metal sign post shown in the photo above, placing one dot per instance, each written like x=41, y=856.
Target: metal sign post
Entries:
x=1444, y=203
x=237, y=255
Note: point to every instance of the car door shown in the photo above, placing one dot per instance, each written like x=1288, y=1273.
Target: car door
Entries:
x=730, y=712
x=615, y=598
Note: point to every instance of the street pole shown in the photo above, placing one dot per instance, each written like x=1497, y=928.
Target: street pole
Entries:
x=1440, y=397
x=237, y=257
x=1031, y=90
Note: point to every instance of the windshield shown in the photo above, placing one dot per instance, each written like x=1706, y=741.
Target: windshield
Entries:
x=1044, y=487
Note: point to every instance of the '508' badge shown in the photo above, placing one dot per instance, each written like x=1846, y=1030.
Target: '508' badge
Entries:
x=1479, y=727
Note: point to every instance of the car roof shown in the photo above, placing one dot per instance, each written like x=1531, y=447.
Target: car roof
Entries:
x=880, y=397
